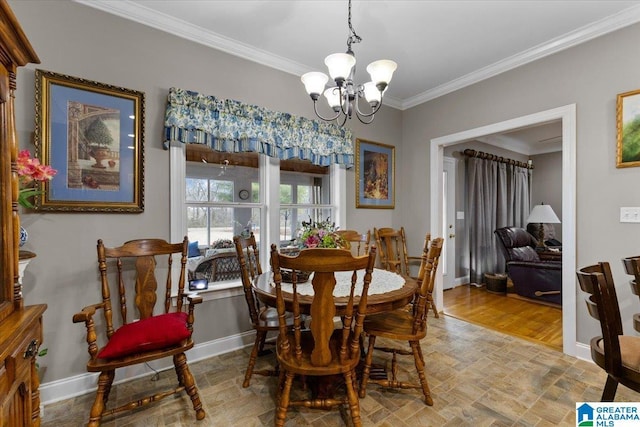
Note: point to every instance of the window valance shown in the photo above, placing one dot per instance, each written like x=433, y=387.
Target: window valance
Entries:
x=231, y=126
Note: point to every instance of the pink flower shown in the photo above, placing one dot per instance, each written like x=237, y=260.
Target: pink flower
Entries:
x=312, y=241
x=29, y=170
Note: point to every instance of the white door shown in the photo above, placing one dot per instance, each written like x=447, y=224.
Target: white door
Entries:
x=448, y=257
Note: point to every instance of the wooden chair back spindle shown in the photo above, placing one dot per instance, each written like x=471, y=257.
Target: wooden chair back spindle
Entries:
x=358, y=242
x=405, y=325
x=131, y=273
x=321, y=350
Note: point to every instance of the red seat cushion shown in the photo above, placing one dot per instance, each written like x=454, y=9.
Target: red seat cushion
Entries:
x=147, y=334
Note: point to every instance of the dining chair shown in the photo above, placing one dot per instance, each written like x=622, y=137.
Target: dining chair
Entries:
x=264, y=319
x=632, y=267
x=142, y=336
x=322, y=351
x=358, y=242
x=616, y=353
x=392, y=247
x=403, y=325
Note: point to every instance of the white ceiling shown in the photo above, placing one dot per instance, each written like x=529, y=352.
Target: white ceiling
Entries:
x=440, y=46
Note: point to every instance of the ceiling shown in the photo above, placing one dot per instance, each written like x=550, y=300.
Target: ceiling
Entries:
x=440, y=46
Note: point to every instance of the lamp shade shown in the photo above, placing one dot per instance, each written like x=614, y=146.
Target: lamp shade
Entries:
x=339, y=65
x=314, y=82
x=543, y=214
x=333, y=97
x=371, y=93
x=381, y=71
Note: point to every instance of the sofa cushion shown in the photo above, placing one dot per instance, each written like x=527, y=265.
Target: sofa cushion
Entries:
x=524, y=253
x=147, y=334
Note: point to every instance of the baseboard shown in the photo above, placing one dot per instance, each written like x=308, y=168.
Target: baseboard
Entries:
x=583, y=352
x=78, y=385
x=461, y=280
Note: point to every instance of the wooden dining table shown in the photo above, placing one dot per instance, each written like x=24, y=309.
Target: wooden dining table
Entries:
x=387, y=291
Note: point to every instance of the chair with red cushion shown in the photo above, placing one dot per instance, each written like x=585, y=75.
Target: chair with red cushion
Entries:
x=130, y=271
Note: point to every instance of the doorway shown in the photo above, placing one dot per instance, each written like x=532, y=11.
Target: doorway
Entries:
x=449, y=263
x=567, y=115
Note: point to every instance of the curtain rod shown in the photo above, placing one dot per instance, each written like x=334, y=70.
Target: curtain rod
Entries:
x=473, y=153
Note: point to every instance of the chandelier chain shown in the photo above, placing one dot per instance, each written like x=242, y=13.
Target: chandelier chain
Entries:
x=353, y=37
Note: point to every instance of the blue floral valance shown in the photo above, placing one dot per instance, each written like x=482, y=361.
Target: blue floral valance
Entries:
x=231, y=126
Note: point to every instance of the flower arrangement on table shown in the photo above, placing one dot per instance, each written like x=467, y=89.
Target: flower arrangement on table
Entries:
x=319, y=234
x=29, y=171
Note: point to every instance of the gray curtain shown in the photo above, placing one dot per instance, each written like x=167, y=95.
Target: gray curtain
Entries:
x=498, y=196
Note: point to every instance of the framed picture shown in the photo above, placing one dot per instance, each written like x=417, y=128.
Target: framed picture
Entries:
x=628, y=129
x=375, y=175
x=93, y=135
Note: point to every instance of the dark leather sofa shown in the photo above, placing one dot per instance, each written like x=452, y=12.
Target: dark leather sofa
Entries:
x=532, y=276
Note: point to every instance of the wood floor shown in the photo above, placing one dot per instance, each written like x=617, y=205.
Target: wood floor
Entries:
x=524, y=319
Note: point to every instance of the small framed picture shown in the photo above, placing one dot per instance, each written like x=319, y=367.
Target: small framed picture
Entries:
x=375, y=175
x=93, y=135
x=628, y=129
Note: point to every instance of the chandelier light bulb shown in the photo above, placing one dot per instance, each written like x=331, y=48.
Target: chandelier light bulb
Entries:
x=314, y=83
x=333, y=97
x=381, y=72
x=340, y=65
x=372, y=94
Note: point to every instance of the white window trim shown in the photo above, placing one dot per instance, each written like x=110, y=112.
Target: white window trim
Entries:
x=269, y=181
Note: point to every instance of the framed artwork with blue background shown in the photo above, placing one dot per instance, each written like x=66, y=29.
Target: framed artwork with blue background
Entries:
x=375, y=175
x=93, y=135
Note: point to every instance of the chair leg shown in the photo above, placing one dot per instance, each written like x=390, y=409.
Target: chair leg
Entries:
x=419, y=362
x=104, y=387
x=354, y=403
x=432, y=305
x=257, y=346
x=283, y=402
x=180, y=363
x=367, y=367
x=107, y=390
x=610, y=388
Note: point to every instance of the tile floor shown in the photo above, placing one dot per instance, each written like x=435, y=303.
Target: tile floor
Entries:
x=478, y=377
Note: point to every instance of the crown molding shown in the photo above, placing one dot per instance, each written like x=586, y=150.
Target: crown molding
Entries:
x=170, y=24
x=607, y=25
x=143, y=15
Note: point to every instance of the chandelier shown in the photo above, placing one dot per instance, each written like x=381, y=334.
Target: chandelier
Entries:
x=344, y=97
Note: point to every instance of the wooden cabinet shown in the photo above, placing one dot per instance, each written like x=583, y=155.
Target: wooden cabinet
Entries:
x=20, y=326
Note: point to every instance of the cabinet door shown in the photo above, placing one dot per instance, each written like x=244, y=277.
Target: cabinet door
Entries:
x=6, y=212
x=16, y=410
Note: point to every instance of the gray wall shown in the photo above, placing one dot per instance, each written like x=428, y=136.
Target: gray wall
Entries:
x=80, y=41
x=547, y=184
x=589, y=75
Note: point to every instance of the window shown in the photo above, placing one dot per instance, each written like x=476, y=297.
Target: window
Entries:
x=208, y=202
x=303, y=197
x=216, y=205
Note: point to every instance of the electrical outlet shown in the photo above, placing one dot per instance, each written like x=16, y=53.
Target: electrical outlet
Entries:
x=630, y=214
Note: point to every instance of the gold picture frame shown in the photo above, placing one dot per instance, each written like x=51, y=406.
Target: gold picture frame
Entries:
x=628, y=129
x=93, y=135
x=375, y=175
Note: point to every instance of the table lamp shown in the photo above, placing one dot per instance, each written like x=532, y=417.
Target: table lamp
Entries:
x=542, y=214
